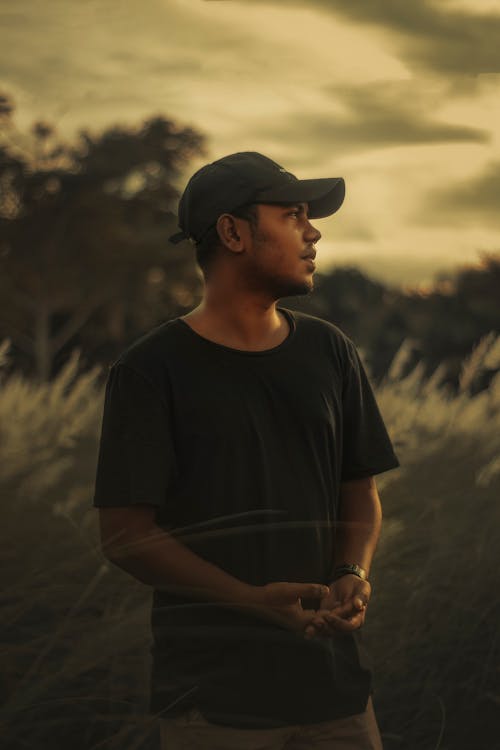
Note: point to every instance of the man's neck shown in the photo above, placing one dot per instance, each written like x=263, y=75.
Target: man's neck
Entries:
x=249, y=324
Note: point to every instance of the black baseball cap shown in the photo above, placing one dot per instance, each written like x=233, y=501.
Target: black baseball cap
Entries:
x=249, y=177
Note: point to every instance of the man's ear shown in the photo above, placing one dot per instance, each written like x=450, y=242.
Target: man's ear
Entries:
x=227, y=230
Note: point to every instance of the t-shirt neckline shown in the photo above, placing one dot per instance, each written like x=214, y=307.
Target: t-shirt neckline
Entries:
x=288, y=315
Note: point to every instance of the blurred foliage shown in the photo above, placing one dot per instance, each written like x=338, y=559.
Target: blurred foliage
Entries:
x=84, y=256
x=85, y=260
x=75, y=630
x=441, y=324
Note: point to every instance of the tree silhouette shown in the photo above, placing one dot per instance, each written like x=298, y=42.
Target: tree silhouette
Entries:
x=84, y=228
x=444, y=322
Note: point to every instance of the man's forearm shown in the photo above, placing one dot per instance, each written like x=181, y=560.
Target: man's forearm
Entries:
x=156, y=558
x=359, y=524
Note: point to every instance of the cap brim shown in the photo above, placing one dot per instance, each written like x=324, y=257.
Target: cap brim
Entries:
x=178, y=237
x=324, y=195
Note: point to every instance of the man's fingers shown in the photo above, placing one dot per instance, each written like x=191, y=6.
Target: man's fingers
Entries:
x=311, y=590
x=346, y=615
x=346, y=626
x=338, y=617
x=360, y=602
x=347, y=608
x=284, y=592
x=331, y=623
x=342, y=625
x=340, y=610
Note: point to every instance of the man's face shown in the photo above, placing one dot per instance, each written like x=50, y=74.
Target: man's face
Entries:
x=279, y=258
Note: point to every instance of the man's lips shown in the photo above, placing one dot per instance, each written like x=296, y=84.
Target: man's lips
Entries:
x=310, y=256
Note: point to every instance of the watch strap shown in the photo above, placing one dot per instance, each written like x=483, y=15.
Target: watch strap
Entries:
x=349, y=569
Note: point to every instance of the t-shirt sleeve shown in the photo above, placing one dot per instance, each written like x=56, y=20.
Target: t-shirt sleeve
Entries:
x=136, y=460
x=366, y=446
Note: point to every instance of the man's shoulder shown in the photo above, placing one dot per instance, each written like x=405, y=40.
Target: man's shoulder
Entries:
x=152, y=351
x=314, y=325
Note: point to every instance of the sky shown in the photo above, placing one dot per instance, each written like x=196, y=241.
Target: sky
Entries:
x=400, y=99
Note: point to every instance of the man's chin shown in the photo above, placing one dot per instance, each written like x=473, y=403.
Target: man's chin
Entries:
x=300, y=288
x=291, y=287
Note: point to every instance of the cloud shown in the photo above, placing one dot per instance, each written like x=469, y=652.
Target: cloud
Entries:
x=470, y=201
x=443, y=40
x=388, y=113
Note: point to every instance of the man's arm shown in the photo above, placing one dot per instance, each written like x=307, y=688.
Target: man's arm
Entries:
x=356, y=538
x=132, y=540
x=359, y=525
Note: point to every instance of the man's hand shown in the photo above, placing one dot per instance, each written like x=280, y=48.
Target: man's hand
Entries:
x=280, y=602
x=343, y=609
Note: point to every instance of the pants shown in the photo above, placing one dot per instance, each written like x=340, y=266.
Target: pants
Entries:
x=192, y=731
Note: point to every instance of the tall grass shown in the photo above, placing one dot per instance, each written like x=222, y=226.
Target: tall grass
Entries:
x=435, y=614
x=75, y=631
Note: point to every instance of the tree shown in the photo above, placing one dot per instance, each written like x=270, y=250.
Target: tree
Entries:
x=84, y=228
x=444, y=322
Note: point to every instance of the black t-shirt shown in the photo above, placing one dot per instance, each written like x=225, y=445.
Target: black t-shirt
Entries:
x=242, y=453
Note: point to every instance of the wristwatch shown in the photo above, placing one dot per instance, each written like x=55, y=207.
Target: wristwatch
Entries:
x=349, y=569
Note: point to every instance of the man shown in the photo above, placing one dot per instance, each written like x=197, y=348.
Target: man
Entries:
x=235, y=476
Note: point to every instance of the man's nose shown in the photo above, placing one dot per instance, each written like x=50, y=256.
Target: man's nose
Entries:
x=313, y=234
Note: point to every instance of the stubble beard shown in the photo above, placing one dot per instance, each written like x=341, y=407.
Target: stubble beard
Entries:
x=295, y=289
x=278, y=286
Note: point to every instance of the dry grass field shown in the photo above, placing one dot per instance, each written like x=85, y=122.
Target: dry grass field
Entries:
x=75, y=637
